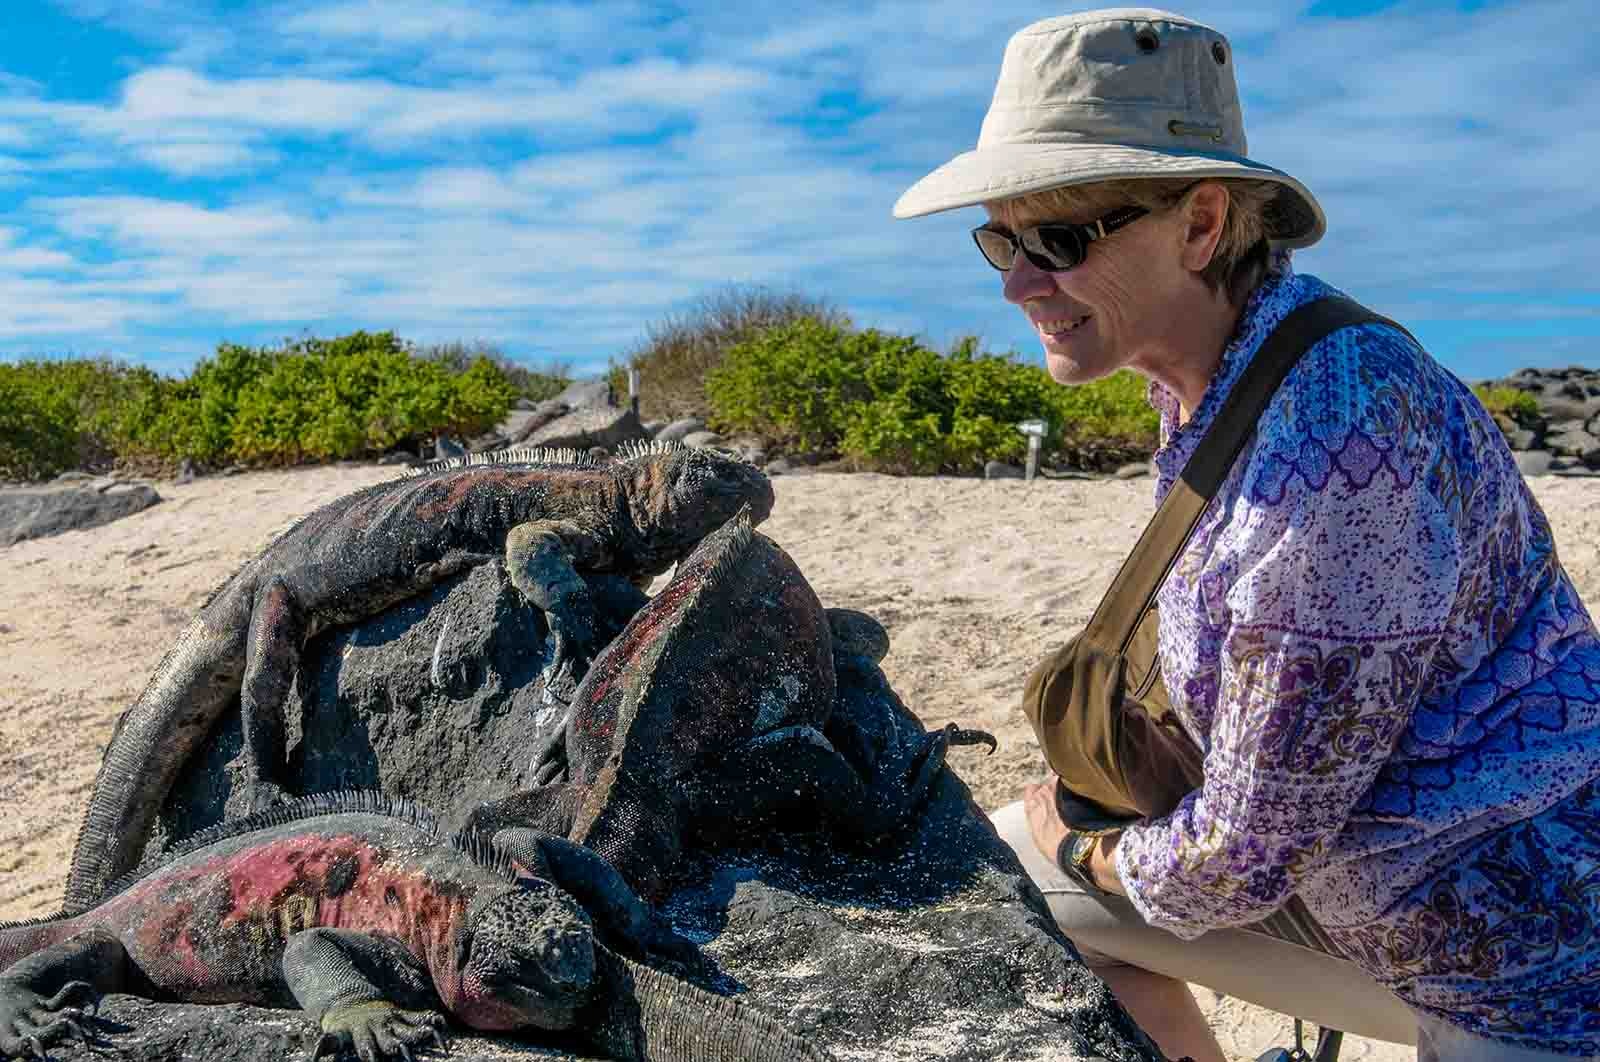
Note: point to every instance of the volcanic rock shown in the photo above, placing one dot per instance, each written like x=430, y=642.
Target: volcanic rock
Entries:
x=584, y=427
x=680, y=429
x=37, y=512
x=932, y=944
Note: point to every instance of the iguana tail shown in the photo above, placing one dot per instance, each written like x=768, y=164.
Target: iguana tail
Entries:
x=190, y=690
x=18, y=940
x=652, y=1016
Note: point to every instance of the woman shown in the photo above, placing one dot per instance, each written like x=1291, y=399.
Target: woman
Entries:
x=1395, y=686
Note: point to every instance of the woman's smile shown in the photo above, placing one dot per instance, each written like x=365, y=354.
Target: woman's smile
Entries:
x=1060, y=328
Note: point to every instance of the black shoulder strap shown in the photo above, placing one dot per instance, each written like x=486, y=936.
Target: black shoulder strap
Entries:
x=1133, y=591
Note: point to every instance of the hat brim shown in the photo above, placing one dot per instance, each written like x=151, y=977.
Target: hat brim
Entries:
x=1003, y=171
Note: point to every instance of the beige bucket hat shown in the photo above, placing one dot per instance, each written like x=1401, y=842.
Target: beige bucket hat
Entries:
x=1111, y=94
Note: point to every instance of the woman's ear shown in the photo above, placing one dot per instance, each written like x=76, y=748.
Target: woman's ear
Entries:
x=1204, y=212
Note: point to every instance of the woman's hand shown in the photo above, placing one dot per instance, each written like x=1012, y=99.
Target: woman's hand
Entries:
x=1048, y=830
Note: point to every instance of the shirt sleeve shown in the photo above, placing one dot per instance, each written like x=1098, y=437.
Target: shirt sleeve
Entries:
x=1334, y=575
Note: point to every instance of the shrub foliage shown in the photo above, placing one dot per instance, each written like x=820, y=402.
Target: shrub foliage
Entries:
x=679, y=351
x=309, y=400
x=887, y=403
x=1520, y=406
x=783, y=367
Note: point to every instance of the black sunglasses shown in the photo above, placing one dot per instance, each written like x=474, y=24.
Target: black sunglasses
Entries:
x=1051, y=247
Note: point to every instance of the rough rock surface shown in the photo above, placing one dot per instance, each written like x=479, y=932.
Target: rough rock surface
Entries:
x=582, y=393
x=34, y=512
x=1564, y=437
x=524, y=422
x=436, y=699
x=702, y=438
x=584, y=427
x=681, y=428
x=933, y=945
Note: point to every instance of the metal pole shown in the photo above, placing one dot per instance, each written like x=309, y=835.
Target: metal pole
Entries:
x=633, y=389
x=1035, y=430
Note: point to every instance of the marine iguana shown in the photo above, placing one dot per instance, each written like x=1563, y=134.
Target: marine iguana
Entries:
x=354, y=907
x=708, y=715
x=550, y=514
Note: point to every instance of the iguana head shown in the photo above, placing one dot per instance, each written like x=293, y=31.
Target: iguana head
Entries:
x=680, y=494
x=525, y=958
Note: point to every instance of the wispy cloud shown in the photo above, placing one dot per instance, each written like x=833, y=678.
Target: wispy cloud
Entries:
x=553, y=177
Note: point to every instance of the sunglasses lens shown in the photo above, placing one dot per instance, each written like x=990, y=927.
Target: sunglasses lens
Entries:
x=1054, y=247
x=997, y=248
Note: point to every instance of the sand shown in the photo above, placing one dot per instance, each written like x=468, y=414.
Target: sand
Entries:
x=975, y=581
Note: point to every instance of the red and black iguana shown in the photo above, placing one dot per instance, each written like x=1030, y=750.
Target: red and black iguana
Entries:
x=354, y=907
x=710, y=714
x=550, y=515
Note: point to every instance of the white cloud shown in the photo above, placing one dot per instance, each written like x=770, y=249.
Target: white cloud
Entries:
x=556, y=176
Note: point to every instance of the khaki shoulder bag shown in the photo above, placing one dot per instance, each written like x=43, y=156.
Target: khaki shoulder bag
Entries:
x=1098, y=705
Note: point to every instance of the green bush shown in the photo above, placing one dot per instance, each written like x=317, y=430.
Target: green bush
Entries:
x=310, y=400
x=1521, y=406
x=888, y=403
x=679, y=352
x=534, y=384
x=1103, y=424
x=358, y=395
x=38, y=437
x=797, y=384
x=82, y=413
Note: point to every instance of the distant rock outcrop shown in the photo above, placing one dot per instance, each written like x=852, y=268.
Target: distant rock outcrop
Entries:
x=588, y=426
x=37, y=512
x=1564, y=437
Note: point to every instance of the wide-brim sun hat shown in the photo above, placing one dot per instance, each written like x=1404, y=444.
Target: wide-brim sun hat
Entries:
x=1110, y=95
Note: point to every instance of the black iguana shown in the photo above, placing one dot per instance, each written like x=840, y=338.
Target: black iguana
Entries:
x=550, y=515
x=709, y=714
x=355, y=908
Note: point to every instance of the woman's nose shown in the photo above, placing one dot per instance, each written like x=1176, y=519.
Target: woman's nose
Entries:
x=1025, y=281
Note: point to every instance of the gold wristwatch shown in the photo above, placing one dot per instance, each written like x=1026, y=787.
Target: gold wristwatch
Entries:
x=1074, y=853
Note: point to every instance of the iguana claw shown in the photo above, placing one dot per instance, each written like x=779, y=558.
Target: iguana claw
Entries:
x=572, y=636
x=956, y=735
x=251, y=797
x=549, y=763
x=29, y=1022
x=377, y=1030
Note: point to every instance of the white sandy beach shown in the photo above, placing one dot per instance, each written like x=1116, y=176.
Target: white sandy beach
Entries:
x=975, y=581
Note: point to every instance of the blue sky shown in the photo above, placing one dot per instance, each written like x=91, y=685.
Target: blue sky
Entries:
x=553, y=178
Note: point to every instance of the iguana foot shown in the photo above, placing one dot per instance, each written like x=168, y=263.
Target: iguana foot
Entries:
x=569, y=661
x=378, y=1030
x=248, y=798
x=929, y=760
x=549, y=763
x=29, y=1022
x=956, y=735
x=910, y=790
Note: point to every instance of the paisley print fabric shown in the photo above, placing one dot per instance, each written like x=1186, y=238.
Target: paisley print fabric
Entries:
x=1396, y=687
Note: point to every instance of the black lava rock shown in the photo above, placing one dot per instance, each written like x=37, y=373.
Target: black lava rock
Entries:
x=930, y=944
x=37, y=512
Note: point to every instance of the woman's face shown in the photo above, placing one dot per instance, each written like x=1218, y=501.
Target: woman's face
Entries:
x=1106, y=312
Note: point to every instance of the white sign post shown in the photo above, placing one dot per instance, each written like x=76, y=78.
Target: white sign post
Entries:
x=633, y=389
x=1035, y=431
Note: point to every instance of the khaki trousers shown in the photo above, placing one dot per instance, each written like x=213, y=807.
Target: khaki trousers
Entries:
x=1259, y=969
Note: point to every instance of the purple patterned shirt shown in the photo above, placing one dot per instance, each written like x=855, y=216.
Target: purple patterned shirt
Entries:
x=1396, y=687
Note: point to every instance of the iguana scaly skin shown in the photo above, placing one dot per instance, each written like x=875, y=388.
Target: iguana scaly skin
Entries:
x=708, y=715
x=550, y=516
x=356, y=909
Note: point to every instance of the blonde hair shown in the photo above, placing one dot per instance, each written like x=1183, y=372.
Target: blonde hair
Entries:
x=1241, y=255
